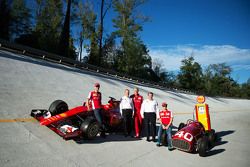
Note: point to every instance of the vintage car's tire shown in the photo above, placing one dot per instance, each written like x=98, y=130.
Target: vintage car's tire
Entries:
x=211, y=137
x=58, y=107
x=181, y=125
x=90, y=128
x=202, y=145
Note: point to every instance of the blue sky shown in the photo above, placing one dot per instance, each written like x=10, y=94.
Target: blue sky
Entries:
x=213, y=31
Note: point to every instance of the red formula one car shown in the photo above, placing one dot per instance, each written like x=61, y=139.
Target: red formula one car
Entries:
x=192, y=137
x=78, y=121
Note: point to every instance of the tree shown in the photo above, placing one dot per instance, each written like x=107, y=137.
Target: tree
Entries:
x=245, y=89
x=65, y=34
x=190, y=76
x=88, y=33
x=218, y=81
x=133, y=55
x=66, y=47
x=103, y=13
x=20, y=19
x=4, y=19
x=109, y=52
x=48, y=27
x=157, y=66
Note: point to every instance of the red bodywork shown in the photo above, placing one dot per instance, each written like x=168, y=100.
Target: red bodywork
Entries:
x=111, y=117
x=186, y=138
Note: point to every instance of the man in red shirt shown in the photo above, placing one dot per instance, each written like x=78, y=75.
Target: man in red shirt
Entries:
x=137, y=100
x=166, y=118
x=95, y=98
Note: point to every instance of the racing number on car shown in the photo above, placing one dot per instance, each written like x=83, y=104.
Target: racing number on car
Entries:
x=187, y=136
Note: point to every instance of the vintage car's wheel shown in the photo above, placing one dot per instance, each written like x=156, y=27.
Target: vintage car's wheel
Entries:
x=211, y=137
x=202, y=144
x=181, y=125
x=58, y=107
x=90, y=128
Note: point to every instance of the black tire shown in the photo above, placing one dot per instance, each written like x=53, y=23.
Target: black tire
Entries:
x=211, y=137
x=181, y=125
x=90, y=128
x=58, y=107
x=202, y=144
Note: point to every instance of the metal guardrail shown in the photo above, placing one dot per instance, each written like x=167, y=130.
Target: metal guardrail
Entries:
x=40, y=54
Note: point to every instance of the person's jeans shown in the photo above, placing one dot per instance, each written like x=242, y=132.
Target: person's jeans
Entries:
x=98, y=116
x=168, y=133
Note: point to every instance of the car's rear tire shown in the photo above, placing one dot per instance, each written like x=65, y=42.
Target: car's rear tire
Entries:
x=202, y=144
x=181, y=125
x=90, y=128
x=58, y=107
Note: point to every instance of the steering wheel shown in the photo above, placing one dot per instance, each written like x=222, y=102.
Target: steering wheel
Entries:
x=189, y=121
x=112, y=98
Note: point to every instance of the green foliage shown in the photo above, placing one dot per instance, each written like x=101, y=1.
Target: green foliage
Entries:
x=48, y=27
x=190, y=76
x=109, y=52
x=5, y=18
x=88, y=25
x=218, y=81
x=168, y=78
x=245, y=90
x=20, y=18
x=132, y=57
x=125, y=22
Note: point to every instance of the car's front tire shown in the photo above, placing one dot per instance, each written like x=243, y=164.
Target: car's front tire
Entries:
x=211, y=137
x=202, y=145
x=90, y=128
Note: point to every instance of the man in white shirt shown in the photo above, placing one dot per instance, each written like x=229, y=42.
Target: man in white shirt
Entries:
x=149, y=109
x=127, y=109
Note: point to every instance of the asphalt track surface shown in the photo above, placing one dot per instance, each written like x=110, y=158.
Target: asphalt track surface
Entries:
x=27, y=83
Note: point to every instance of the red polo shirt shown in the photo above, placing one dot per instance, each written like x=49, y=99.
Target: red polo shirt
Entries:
x=96, y=99
x=165, y=116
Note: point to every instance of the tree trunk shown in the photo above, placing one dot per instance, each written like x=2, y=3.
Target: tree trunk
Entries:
x=101, y=33
x=64, y=39
x=80, y=47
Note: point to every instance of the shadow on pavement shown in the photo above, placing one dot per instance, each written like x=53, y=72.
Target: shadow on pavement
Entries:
x=219, y=142
x=109, y=138
x=214, y=152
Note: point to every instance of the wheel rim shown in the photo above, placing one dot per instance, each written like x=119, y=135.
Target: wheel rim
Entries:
x=93, y=130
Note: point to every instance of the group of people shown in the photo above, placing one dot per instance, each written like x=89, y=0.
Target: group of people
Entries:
x=136, y=111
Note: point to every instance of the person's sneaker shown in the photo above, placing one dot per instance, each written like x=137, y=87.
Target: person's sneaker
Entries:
x=154, y=140
x=148, y=140
x=158, y=145
x=170, y=149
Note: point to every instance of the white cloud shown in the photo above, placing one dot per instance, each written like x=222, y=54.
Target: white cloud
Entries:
x=171, y=56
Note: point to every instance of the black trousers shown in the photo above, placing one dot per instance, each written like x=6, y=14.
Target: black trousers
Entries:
x=150, y=123
x=128, y=120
